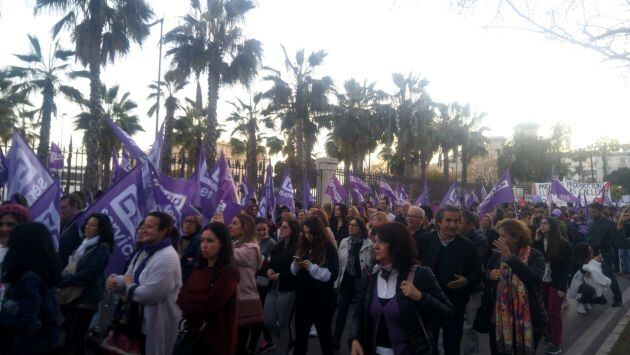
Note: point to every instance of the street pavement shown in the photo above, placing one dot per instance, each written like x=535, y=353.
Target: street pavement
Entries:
x=583, y=334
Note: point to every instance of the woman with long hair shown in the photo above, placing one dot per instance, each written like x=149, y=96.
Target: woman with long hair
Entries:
x=514, y=291
x=323, y=219
x=316, y=266
x=557, y=252
x=280, y=300
x=83, y=280
x=188, y=245
x=247, y=260
x=208, y=299
x=30, y=272
x=356, y=257
x=396, y=300
x=152, y=281
x=339, y=221
x=11, y=215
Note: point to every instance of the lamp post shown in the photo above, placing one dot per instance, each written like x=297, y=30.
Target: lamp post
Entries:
x=159, y=77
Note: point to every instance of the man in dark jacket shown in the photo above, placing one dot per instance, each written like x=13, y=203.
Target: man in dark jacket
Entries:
x=457, y=267
x=601, y=237
x=70, y=239
x=415, y=217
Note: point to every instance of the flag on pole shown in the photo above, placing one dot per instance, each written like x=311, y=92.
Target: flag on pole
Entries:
x=501, y=193
x=47, y=210
x=355, y=183
x=128, y=144
x=268, y=203
x=401, y=194
x=246, y=191
x=450, y=198
x=423, y=199
x=285, y=192
x=155, y=154
x=307, y=198
x=208, y=185
x=227, y=188
x=561, y=192
x=55, y=160
x=483, y=192
x=26, y=175
x=385, y=190
x=335, y=191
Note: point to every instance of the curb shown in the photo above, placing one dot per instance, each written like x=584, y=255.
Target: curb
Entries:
x=611, y=340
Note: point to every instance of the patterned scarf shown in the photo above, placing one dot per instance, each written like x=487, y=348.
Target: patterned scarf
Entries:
x=513, y=322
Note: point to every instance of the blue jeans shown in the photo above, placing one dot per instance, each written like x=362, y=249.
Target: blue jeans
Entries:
x=346, y=296
x=624, y=260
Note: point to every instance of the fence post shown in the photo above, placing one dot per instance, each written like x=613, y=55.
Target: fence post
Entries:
x=326, y=168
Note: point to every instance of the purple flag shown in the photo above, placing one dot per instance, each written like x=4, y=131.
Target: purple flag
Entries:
x=401, y=194
x=3, y=169
x=246, y=191
x=155, y=154
x=25, y=173
x=55, y=160
x=227, y=188
x=501, y=193
x=47, y=211
x=335, y=191
x=177, y=192
x=450, y=198
x=483, y=192
x=207, y=186
x=356, y=196
x=561, y=192
x=307, y=198
x=123, y=204
x=268, y=203
x=423, y=199
x=470, y=199
x=128, y=144
x=355, y=183
x=385, y=190
x=230, y=210
x=285, y=193
x=537, y=198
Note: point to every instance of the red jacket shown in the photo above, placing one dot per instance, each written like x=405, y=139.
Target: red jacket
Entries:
x=210, y=295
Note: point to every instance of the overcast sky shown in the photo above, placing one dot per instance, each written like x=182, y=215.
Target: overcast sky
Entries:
x=513, y=75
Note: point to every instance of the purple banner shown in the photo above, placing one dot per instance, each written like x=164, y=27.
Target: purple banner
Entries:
x=385, y=190
x=268, y=203
x=155, y=154
x=335, y=191
x=3, y=169
x=230, y=210
x=128, y=144
x=562, y=193
x=483, y=192
x=227, y=189
x=501, y=193
x=246, y=191
x=355, y=183
x=285, y=193
x=55, y=160
x=423, y=199
x=401, y=194
x=47, y=211
x=25, y=174
x=450, y=198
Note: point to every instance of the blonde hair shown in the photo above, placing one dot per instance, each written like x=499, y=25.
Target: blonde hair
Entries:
x=353, y=212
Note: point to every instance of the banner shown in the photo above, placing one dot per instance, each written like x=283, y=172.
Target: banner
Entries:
x=335, y=191
x=562, y=193
x=155, y=154
x=3, y=169
x=122, y=203
x=46, y=210
x=285, y=193
x=55, y=160
x=450, y=198
x=501, y=193
x=355, y=183
x=423, y=199
x=588, y=190
x=246, y=191
x=385, y=190
x=25, y=174
x=268, y=203
x=227, y=188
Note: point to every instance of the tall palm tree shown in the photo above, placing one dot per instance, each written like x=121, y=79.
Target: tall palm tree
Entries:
x=248, y=118
x=101, y=30
x=357, y=125
x=301, y=103
x=10, y=102
x=473, y=145
x=43, y=73
x=211, y=41
x=119, y=109
x=449, y=131
x=171, y=103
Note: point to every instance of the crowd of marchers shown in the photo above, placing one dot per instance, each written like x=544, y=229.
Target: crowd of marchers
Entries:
x=371, y=279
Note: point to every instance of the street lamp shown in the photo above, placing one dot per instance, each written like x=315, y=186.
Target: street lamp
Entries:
x=159, y=78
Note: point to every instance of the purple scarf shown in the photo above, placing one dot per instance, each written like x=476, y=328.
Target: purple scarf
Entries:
x=150, y=249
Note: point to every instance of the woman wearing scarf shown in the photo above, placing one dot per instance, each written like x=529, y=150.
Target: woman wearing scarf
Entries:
x=153, y=280
x=81, y=288
x=514, y=290
x=394, y=307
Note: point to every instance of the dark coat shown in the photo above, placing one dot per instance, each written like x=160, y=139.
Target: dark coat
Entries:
x=560, y=266
x=28, y=321
x=531, y=275
x=69, y=241
x=468, y=264
x=190, y=256
x=310, y=292
x=90, y=273
x=340, y=233
x=433, y=304
x=280, y=260
x=480, y=242
x=210, y=295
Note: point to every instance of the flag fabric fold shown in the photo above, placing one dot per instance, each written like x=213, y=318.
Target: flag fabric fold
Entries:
x=423, y=199
x=55, y=160
x=502, y=192
x=385, y=190
x=450, y=198
x=285, y=192
x=335, y=190
x=47, y=210
x=561, y=192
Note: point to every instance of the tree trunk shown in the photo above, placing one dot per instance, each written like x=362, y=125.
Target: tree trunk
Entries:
x=423, y=169
x=300, y=138
x=250, y=156
x=106, y=157
x=212, y=132
x=43, y=149
x=445, y=165
x=167, y=148
x=92, y=135
x=464, y=168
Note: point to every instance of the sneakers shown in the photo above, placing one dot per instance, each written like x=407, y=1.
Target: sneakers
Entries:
x=552, y=350
x=313, y=331
x=616, y=304
x=266, y=347
x=580, y=308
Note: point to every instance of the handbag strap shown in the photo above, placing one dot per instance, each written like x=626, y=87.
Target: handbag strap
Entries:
x=410, y=277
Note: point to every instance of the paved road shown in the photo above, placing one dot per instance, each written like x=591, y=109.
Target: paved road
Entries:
x=583, y=334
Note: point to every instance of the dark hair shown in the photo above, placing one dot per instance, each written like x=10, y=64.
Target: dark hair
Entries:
x=596, y=206
x=19, y=199
x=73, y=200
x=260, y=220
x=469, y=217
x=105, y=229
x=247, y=228
x=19, y=212
x=582, y=254
x=439, y=216
x=402, y=248
x=252, y=199
x=322, y=217
x=225, y=254
x=554, y=238
x=342, y=208
x=499, y=214
x=363, y=232
x=517, y=230
x=318, y=246
x=428, y=212
x=31, y=249
x=289, y=244
x=166, y=222
x=541, y=205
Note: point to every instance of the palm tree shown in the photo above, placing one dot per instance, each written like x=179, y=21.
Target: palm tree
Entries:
x=101, y=31
x=449, y=131
x=473, y=145
x=10, y=101
x=211, y=40
x=357, y=126
x=119, y=109
x=248, y=118
x=171, y=103
x=188, y=132
x=301, y=103
x=43, y=73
